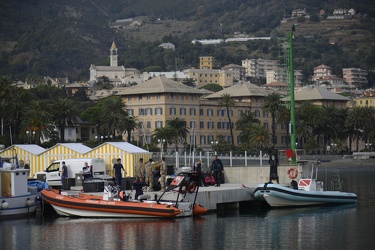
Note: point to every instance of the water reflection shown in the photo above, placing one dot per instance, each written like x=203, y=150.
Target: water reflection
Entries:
x=337, y=227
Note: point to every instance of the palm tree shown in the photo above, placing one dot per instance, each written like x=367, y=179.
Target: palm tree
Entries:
x=64, y=113
x=113, y=116
x=273, y=104
x=131, y=123
x=260, y=137
x=228, y=102
x=358, y=119
x=245, y=125
x=167, y=133
x=283, y=118
x=181, y=127
x=37, y=118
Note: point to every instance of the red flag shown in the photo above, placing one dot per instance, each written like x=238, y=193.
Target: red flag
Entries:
x=289, y=153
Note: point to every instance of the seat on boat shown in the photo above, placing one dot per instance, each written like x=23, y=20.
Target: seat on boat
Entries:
x=144, y=197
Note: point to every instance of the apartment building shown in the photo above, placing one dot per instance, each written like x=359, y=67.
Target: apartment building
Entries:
x=282, y=75
x=355, y=77
x=258, y=68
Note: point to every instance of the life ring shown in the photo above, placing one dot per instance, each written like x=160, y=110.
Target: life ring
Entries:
x=292, y=173
x=191, y=187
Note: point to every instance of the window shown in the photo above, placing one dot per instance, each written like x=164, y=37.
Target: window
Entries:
x=158, y=124
x=129, y=99
x=182, y=97
x=172, y=111
x=210, y=125
x=201, y=124
x=148, y=97
x=192, y=124
x=265, y=125
x=131, y=112
x=140, y=125
x=192, y=111
x=172, y=96
x=148, y=111
x=210, y=138
x=141, y=112
x=148, y=124
x=202, y=140
x=221, y=112
x=265, y=114
x=201, y=111
x=158, y=97
x=218, y=125
x=210, y=112
x=257, y=113
x=140, y=98
x=182, y=111
x=158, y=111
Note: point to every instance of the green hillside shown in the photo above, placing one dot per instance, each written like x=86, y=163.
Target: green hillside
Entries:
x=62, y=38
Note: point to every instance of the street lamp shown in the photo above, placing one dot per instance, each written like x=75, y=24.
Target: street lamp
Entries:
x=369, y=146
x=30, y=134
x=214, y=145
x=161, y=141
x=334, y=146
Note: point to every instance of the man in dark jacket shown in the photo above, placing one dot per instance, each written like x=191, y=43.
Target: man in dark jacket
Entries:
x=217, y=169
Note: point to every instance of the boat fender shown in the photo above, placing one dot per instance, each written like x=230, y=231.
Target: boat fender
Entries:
x=191, y=187
x=4, y=205
x=292, y=173
x=29, y=202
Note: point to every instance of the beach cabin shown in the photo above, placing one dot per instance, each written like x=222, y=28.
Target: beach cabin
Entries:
x=111, y=151
x=28, y=154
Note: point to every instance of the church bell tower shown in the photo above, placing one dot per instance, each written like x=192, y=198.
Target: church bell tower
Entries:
x=113, y=55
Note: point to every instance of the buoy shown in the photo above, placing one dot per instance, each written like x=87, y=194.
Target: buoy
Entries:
x=29, y=202
x=4, y=205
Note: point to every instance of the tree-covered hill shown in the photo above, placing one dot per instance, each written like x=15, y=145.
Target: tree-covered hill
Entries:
x=62, y=38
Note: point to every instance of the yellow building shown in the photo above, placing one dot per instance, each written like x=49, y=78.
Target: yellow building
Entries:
x=206, y=62
x=366, y=101
x=206, y=76
x=160, y=99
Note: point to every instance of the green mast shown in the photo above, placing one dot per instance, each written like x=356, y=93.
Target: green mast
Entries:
x=291, y=83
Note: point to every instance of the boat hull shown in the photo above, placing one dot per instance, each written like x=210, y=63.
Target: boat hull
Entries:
x=279, y=196
x=95, y=206
x=16, y=206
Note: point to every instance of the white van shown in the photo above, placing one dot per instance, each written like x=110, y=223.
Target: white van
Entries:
x=52, y=174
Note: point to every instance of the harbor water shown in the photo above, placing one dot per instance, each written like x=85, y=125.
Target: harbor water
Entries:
x=334, y=227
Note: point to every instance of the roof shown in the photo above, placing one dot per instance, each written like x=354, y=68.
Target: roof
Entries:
x=108, y=68
x=170, y=75
x=240, y=90
x=113, y=45
x=323, y=66
x=78, y=147
x=31, y=148
x=316, y=93
x=125, y=146
x=162, y=84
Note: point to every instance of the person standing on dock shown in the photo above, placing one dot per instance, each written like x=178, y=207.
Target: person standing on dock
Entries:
x=198, y=170
x=139, y=170
x=150, y=168
x=163, y=174
x=118, y=173
x=217, y=169
x=274, y=162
